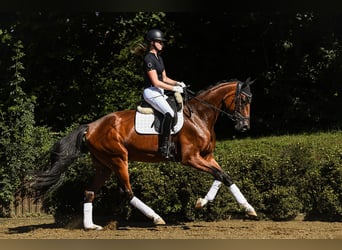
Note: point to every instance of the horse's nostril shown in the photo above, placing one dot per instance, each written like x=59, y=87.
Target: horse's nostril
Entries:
x=244, y=128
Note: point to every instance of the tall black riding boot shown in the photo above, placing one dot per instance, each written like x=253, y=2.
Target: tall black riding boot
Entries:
x=164, y=138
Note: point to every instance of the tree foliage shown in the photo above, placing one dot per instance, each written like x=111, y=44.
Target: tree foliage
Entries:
x=294, y=57
x=21, y=142
x=81, y=65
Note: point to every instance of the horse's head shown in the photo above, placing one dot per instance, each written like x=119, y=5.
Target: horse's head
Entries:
x=240, y=107
x=243, y=99
x=235, y=97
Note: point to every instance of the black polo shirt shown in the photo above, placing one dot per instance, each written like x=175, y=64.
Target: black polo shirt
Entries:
x=151, y=62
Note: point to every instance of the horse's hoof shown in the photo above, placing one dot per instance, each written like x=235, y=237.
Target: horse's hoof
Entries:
x=93, y=227
x=200, y=203
x=251, y=215
x=158, y=221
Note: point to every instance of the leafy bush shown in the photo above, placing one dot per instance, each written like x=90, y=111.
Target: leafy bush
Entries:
x=303, y=171
x=282, y=203
x=280, y=176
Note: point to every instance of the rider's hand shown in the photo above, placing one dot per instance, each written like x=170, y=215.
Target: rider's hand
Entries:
x=177, y=89
x=182, y=84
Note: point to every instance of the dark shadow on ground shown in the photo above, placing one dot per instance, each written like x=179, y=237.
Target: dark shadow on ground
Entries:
x=108, y=223
x=30, y=228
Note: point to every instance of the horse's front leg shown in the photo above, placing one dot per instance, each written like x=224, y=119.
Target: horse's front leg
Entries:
x=210, y=196
x=211, y=166
x=240, y=198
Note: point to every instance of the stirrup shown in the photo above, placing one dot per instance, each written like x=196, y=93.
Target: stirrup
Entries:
x=165, y=151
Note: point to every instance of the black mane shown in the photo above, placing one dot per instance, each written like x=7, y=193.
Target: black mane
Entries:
x=218, y=83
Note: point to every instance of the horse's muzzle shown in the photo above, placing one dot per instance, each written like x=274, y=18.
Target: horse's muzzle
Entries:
x=242, y=125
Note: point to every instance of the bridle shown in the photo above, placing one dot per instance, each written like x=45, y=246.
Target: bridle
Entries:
x=236, y=115
x=239, y=103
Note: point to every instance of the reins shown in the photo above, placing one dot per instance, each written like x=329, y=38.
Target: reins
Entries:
x=193, y=95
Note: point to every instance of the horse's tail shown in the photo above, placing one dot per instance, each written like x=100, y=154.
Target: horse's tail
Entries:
x=63, y=153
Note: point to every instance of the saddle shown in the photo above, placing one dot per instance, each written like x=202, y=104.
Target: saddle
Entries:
x=148, y=120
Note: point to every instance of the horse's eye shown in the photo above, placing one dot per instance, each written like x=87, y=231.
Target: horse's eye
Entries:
x=245, y=99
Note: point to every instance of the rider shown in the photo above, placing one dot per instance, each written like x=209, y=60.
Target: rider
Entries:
x=156, y=83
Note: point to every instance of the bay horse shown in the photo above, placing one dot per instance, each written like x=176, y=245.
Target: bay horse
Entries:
x=112, y=142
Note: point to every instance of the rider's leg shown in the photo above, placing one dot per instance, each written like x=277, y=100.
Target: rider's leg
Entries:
x=165, y=135
x=157, y=99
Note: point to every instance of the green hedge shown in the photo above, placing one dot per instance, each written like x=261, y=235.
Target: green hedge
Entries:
x=280, y=176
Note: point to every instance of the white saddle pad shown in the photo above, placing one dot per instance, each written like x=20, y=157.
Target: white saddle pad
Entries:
x=143, y=123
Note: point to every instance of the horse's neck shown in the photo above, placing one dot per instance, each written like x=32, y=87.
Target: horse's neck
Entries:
x=208, y=103
x=216, y=95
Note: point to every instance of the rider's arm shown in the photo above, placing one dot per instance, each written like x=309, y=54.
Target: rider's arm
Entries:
x=152, y=74
x=168, y=80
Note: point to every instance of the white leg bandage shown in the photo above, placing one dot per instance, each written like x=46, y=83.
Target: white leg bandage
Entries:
x=88, y=217
x=210, y=196
x=87, y=214
x=240, y=198
x=146, y=210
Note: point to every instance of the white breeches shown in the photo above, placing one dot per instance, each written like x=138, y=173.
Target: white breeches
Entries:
x=156, y=98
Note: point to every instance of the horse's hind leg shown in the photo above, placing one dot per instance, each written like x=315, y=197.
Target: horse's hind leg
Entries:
x=102, y=174
x=122, y=174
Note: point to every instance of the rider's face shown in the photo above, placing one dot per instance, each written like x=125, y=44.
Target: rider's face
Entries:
x=158, y=45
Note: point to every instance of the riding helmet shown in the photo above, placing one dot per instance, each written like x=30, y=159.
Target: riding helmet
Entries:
x=154, y=35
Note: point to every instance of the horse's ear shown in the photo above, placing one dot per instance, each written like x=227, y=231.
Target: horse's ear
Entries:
x=248, y=81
